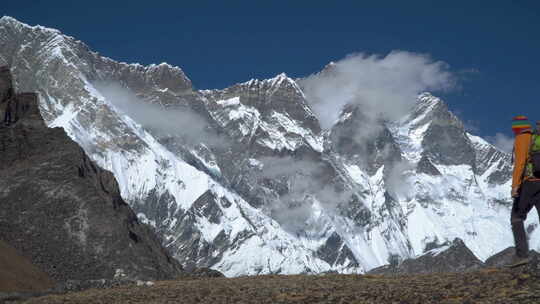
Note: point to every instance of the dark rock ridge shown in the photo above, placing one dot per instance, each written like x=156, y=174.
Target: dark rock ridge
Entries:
x=445, y=141
x=455, y=257
x=61, y=210
x=506, y=256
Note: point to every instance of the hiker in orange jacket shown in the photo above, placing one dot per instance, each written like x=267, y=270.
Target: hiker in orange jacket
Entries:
x=525, y=188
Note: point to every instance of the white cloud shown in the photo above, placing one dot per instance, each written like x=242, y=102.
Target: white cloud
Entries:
x=384, y=86
x=306, y=181
x=179, y=121
x=503, y=142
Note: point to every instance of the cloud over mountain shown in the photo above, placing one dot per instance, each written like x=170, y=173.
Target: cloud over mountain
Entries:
x=384, y=86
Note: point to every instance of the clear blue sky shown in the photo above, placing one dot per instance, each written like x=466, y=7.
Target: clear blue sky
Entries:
x=219, y=43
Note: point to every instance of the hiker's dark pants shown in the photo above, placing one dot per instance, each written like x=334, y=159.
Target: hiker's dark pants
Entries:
x=529, y=196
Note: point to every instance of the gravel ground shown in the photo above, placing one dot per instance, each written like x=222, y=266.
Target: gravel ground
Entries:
x=483, y=286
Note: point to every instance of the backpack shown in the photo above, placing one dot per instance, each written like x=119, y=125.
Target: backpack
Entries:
x=533, y=165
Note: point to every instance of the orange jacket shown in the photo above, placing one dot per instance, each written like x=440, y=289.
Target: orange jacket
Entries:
x=522, y=145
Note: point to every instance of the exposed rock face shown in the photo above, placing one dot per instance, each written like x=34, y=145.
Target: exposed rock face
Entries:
x=367, y=142
x=455, y=257
x=445, y=140
x=427, y=167
x=506, y=257
x=63, y=211
x=502, y=258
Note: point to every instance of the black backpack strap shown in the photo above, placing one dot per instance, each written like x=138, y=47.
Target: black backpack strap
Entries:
x=529, y=155
x=513, y=153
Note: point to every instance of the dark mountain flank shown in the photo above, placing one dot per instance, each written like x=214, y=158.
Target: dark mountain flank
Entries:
x=62, y=211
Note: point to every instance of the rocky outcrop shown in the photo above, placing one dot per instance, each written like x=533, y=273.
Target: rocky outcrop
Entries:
x=425, y=166
x=507, y=256
x=455, y=257
x=61, y=210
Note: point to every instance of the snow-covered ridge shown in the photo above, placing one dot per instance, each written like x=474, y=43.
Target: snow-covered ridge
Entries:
x=269, y=116
x=67, y=48
x=7, y=20
x=273, y=82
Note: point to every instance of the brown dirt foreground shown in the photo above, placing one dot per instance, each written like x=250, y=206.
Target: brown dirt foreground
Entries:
x=484, y=286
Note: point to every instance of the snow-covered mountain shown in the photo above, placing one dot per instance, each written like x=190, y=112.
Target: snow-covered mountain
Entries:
x=263, y=189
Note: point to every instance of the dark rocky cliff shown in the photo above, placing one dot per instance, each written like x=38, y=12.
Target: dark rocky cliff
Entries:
x=61, y=210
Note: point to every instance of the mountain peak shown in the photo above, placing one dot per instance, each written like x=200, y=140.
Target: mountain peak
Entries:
x=279, y=79
x=166, y=67
x=276, y=82
x=427, y=108
x=421, y=113
x=163, y=65
x=327, y=69
x=10, y=21
x=51, y=44
x=428, y=99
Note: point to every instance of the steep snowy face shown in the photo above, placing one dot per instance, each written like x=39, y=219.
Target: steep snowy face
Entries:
x=493, y=165
x=278, y=165
x=431, y=131
x=269, y=192
x=445, y=140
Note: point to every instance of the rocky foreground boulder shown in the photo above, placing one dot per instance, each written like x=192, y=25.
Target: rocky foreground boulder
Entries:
x=506, y=257
x=60, y=210
x=454, y=257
